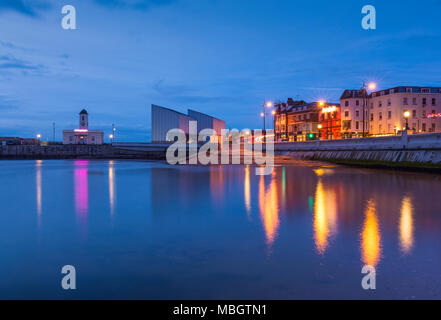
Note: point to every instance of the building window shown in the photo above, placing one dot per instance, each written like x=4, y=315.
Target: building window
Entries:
x=414, y=101
x=388, y=102
x=408, y=89
x=70, y=138
x=424, y=127
x=357, y=125
x=372, y=105
x=433, y=102
x=405, y=101
x=424, y=113
x=433, y=127
x=372, y=117
x=346, y=114
x=380, y=104
x=357, y=113
x=425, y=90
x=424, y=101
x=380, y=116
x=389, y=114
x=357, y=102
x=414, y=114
x=346, y=103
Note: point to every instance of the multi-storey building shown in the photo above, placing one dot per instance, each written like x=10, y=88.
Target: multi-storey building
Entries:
x=352, y=102
x=299, y=120
x=330, y=122
x=283, y=125
x=387, y=110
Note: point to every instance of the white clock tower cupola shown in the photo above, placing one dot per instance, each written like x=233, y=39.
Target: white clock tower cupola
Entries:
x=84, y=119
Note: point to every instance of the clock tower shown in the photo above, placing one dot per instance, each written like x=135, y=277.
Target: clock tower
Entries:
x=84, y=119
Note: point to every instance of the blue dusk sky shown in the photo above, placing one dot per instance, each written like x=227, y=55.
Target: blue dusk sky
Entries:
x=221, y=57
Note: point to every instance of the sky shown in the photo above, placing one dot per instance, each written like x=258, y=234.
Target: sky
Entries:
x=221, y=57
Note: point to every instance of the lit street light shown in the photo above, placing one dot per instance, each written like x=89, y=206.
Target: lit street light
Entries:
x=372, y=86
x=38, y=136
x=406, y=116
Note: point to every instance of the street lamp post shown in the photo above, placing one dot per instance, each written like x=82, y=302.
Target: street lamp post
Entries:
x=406, y=116
x=113, y=132
x=371, y=86
x=268, y=104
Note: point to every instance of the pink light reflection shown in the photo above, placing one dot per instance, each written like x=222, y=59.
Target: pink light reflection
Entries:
x=81, y=130
x=81, y=187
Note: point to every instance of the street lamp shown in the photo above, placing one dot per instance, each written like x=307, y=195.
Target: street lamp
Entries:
x=406, y=116
x=371, y=86
x=111, y=137
x=38, y=136
x=268, y=104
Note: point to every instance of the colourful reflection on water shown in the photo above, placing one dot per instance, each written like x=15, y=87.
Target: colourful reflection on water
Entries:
x=269, y=208
x=406, y=225
x=325, y=216
x=38, y=165
x=81, y=187
x=217, y=183
x=112, y=187
x=247, y=190
x=370, y=236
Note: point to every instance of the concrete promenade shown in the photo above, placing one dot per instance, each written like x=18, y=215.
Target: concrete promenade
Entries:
x=114, y=151
x=422, y=150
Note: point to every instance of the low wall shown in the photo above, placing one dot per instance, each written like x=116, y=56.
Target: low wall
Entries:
x=422, y=150
x=115, y=151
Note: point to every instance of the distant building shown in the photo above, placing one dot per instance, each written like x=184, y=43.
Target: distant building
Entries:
x=330, y=122
x=351, y=103
x=18, y=141
x=207, y=122
x=299, y=120
x=10, y=141
x=83, y=135
x=165, y=119
x=387, y=108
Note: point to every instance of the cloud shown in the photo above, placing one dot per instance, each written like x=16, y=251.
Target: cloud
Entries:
x=8, y=62
x=7, y=104
x=134, y=4
x=26, y=7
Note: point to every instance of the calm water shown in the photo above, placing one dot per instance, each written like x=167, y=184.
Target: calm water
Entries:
x=150, y=230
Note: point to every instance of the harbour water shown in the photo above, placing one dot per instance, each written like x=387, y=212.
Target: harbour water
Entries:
x=149, y=230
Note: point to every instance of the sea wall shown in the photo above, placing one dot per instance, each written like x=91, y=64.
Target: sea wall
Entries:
x=422, y=151
x=115, y=151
